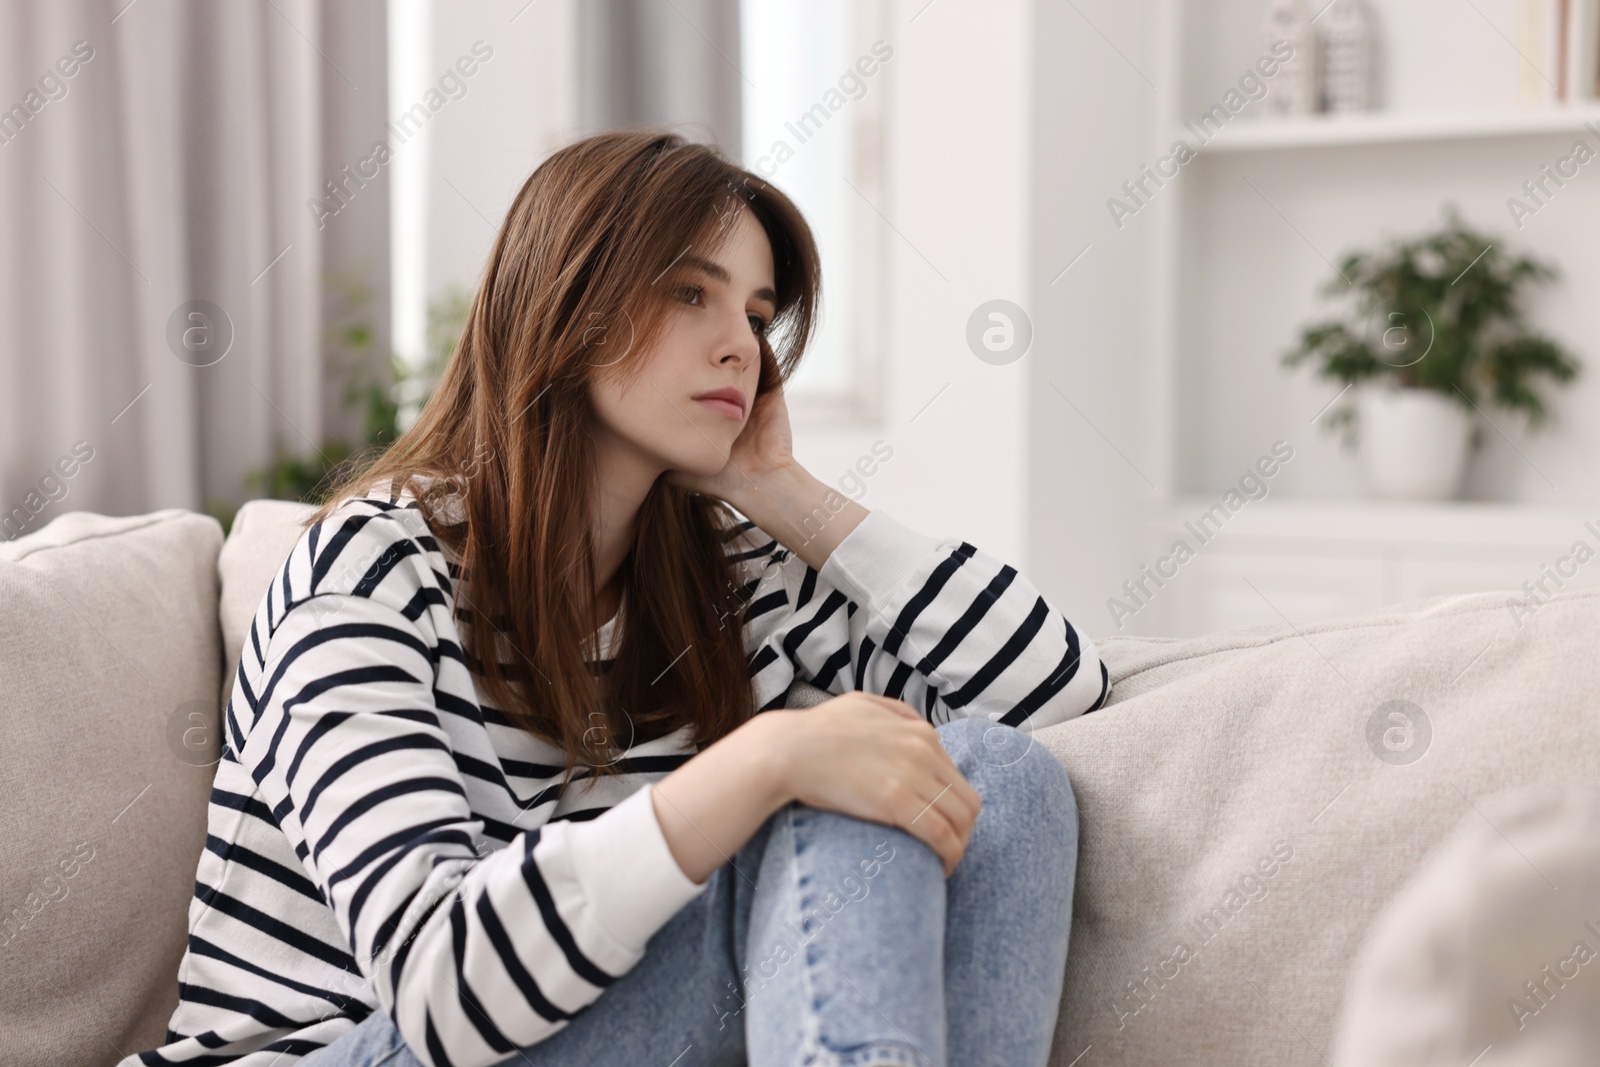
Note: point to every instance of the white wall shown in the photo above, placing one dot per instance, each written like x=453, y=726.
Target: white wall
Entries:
x=1251, y=270
x=960, y=106
x=1091, y=445
x=519, y=107
x=1256, y=266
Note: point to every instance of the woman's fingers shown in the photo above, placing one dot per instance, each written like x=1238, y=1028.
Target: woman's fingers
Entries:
x=933, y=826
x=925, y=793
x=899, y=707
x=958, y=799
x=946, y=807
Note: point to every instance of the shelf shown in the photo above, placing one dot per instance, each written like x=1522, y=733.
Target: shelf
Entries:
x=1384, y=127
x=1359, y=523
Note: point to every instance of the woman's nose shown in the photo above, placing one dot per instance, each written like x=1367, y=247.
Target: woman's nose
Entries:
x=745, y=348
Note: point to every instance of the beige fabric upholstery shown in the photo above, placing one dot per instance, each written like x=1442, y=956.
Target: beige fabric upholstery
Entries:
x=109, y=661
x=1218, y=750
x=261, y=537
x=1491, y=955
x=1246, y=804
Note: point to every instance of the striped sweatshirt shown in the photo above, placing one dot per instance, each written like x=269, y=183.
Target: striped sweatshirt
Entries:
x=381, y=839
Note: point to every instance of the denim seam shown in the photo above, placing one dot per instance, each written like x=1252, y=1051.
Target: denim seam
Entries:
x=872, y=1054
x=811, y=1038
x=813, y=1052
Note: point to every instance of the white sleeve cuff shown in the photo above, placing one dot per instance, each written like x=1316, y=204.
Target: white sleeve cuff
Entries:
x=626, y=871
x=876, y=558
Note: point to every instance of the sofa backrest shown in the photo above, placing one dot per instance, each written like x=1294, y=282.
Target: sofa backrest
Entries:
x=1249, y=800
x=1493, y=943
x=110, y=658
x=260, y=539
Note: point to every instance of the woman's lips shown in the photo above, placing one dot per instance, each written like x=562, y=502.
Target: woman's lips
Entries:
x=727, y=407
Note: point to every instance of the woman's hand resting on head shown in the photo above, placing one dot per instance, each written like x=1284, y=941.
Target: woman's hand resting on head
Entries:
x=764, y=482
x=764, y=446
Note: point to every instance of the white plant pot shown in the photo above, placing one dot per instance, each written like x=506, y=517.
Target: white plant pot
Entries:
x=1413, y=442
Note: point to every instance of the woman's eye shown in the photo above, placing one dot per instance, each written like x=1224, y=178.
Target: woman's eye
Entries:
x=695, y=295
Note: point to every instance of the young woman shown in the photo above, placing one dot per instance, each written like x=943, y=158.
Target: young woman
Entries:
x=507, y=765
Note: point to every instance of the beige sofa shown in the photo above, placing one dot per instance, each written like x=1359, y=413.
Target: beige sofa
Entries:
x=1248, y=803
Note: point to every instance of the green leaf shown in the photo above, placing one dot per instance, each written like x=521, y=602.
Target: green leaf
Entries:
x=369, y=379
x=1457, y=291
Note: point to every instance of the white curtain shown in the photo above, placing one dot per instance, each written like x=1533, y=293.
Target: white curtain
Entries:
x=646, y=62
x=154, y=154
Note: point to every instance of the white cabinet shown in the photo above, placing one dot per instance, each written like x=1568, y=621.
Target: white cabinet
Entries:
x=1231, y=589
x=1292, y=562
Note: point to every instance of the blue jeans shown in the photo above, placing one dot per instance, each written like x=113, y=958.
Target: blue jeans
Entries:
x=832, y=941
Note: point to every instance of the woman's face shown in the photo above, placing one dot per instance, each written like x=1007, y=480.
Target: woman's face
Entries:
x=721, y=306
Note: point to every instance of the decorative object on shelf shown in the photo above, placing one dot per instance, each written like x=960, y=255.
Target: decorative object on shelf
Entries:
x=1580, y=52
x=1297, y=89
x=1347, y=51
x=1560, y=46
x=1414, y=442
x=1437, y=318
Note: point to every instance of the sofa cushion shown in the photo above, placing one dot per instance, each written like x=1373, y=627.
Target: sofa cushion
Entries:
x=109, y=662
x=1249, y=800
x=263, y=534
x=1493, y=945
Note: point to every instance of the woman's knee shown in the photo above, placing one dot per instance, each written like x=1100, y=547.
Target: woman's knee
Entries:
x=995, y=756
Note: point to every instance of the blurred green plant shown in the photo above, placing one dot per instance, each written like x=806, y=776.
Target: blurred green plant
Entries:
x=1455, y=295
x=383, y=399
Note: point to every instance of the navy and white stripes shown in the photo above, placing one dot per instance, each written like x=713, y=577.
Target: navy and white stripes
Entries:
x=381, y=840
x=939, y=625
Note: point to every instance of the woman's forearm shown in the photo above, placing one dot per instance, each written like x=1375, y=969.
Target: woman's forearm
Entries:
x=709, y=807
x=807, y=516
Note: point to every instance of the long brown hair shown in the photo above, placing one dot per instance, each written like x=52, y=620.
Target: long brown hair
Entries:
x=571, y=279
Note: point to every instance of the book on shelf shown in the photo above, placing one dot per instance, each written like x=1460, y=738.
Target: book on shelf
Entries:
x=1560, y=45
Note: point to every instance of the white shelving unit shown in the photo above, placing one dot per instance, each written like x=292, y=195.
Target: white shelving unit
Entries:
x=1240, y=243
x=1375, y=128
x=1299, y=560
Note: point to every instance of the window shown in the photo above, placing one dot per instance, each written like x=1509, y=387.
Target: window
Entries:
x=409, y=44
x=814, y=125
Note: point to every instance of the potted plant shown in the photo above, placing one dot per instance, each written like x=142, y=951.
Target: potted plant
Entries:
x=1433, y=330
x=387, y=398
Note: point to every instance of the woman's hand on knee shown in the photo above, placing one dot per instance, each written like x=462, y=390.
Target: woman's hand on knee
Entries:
x=876, y=758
